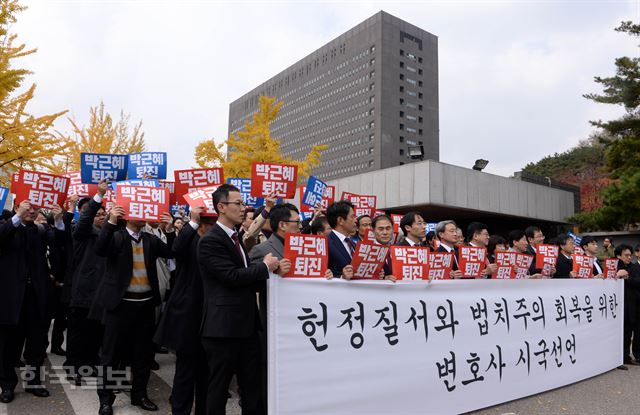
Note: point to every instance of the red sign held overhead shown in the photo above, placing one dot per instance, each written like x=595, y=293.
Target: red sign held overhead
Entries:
x=582, y=266
x=76, y=187
x=440, y=265
x=143, y=203
x=202, y=197
x=410, y=262
x=187, y=181
x=473, y=260
x=42, y=190
x=364, y=204
x=368, y=260
x=308, y=255
x=280, y=179
x=396, y=222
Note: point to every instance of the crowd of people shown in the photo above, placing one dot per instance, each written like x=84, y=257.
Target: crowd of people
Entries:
x=196, y=285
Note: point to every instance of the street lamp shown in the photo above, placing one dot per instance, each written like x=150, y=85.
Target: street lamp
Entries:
x=480, y=164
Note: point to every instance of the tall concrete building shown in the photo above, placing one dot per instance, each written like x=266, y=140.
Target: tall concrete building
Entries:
x=371, y=95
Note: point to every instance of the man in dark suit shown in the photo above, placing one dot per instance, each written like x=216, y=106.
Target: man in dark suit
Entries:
x=25, y=297
x=129, y=293
x=447, y=232
x=631, y=327
x=84, y=335
x=179, y=327
x=342, y=219
x=231, y=323
x=590, y=247
x=564, y=266
x=534, y=237
x=413, y=227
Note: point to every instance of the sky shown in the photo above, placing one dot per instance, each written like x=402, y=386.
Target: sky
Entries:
x=511, y=73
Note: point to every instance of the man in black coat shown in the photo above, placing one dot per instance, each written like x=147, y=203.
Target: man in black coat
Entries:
x=25, y=297
x=447, y=234
x=129, y=293
x=179, y=327
x=231, y=322
x=631, y=273
x=564, y=266
x=84, y=335
x=413, y=228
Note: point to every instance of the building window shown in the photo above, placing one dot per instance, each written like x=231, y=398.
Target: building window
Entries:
x=401, y=52
x=401, y=139
x=420, y=95
x=401, y=101
x=371, y=99
x=402, y=152
x=402, y=64
x=401, y=77
x=402, y=126
x=401, y=88
x=401, y=114
x=371, y=137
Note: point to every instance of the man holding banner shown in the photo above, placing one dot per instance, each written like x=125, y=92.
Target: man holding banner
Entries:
x=25, y=298
x=231, y=323
x=129, y=293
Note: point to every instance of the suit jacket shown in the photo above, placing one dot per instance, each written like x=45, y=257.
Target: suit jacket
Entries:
x=563, y=267
x=88, y=267
x=230, y=308
x=338, y=255
x=23, y=252
x=179, y=327
x=115, y=245
x=455, y=256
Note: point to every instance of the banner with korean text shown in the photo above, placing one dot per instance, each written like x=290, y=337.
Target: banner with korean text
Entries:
x=341, y=347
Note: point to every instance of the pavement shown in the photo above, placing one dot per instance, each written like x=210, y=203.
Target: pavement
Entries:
x=613, y=392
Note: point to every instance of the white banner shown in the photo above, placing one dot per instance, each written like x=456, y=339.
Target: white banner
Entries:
x=446, y=347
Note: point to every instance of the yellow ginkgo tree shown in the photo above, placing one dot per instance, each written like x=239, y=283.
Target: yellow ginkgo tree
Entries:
x=254, y=143
x=26, y=140
x=102, y=135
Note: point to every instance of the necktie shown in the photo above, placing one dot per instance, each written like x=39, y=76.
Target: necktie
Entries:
x=352, y=248
x=236, y=242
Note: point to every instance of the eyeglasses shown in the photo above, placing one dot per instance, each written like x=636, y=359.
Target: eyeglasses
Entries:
x=293, y=221
x=238, y=203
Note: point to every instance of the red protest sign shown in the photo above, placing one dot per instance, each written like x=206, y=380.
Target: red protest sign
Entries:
x=202, y=197
x=328, y=199
x=409, y=262
x=364, y=204
x=546, y=258
x=308, y=255
x=472, y=260
x=187, y=181
x=522, y=264
x=610, y=267
x=76, y=187
x=172, y=190
x=368, y=260
x=440, y=265
x=267, y=178
x=143, y=203
x=109, y=200
x=396, y=222
x=42, y=190
x=582, y=266
x=505, y=260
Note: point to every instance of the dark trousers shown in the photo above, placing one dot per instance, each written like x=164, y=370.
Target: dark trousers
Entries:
x=31, y=333
x=59, y=319
x=128, y=330
x=191, y=376
x=227, y=356
x=84, y=338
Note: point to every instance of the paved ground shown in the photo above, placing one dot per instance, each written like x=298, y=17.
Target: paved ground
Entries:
x=614, y=392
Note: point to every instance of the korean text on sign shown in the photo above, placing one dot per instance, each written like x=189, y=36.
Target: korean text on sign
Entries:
x=76, y=187
x=314, y=192
x=186, y=181
x=95, y=167
x=244, y=185
x=171, y=186
x=440, y=265
x=202, y=197
x=328, y=199
x=42, y=190
x=143, y=203
x=582, y=266
x=148, y=165
x=410, y=262
x=364, y=204
x=473, y=261
x=279, y=179
x=546, y=258
x=308, y=255
x=610, y=267
x=368, y=260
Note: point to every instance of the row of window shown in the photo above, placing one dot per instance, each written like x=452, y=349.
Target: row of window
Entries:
x=356, y=168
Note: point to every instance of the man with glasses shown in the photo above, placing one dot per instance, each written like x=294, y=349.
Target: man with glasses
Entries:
x=534, y=237
x=231, y=321
x=478, y=234
x=84, y=335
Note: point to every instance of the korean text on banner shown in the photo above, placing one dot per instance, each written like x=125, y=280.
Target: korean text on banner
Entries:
x=308, y=255
x=368, y=260
x=95, y=167
x=42, y=190
x=143, y=203
x=148, y=165
x=186, y=181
